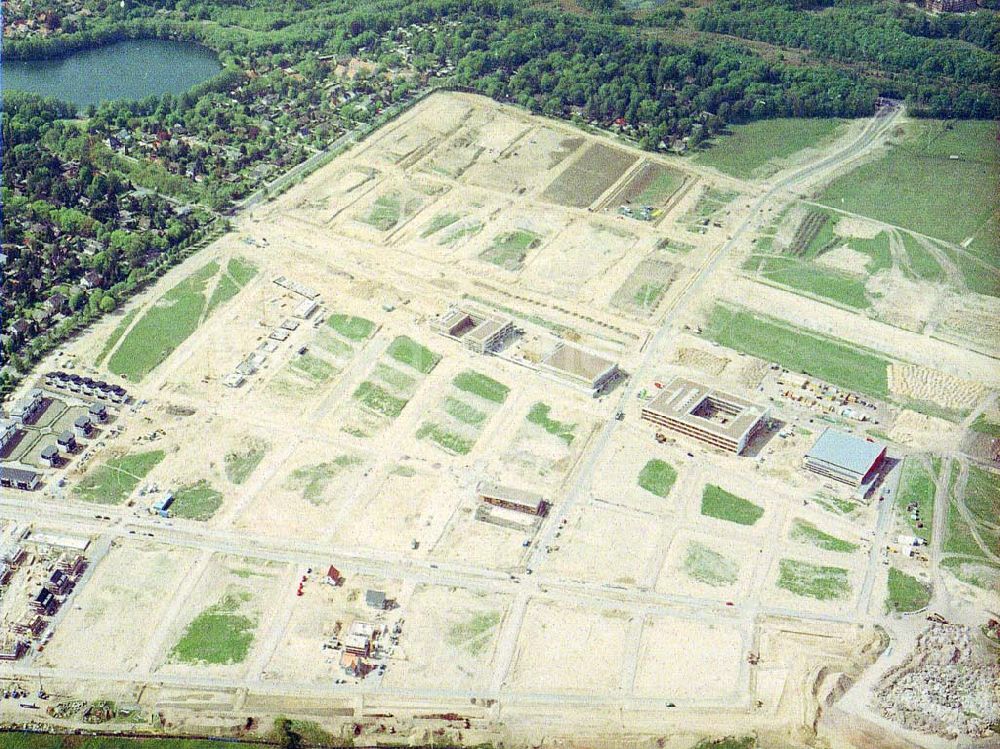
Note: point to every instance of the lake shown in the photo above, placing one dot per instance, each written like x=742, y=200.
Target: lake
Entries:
x=123, y=70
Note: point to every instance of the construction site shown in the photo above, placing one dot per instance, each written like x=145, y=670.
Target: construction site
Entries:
x=472, y=454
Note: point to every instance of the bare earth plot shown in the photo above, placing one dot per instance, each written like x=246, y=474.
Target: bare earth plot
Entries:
x=331, y=553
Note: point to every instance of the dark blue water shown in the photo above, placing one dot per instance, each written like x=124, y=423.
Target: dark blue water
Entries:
x=123, y=70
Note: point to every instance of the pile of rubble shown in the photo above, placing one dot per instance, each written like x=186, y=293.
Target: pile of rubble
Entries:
x=944, y=687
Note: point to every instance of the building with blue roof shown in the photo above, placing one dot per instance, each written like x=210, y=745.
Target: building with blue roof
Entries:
x=845, y=458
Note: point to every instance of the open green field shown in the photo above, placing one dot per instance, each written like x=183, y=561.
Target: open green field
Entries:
x=240, y=463
x=805, y=532
x=475, y=634
x=905, y=186
x=389, y=209
x=982, y=495
x=665, y=183
x=239, y=272
x=351, y=327
x=407, y=351
x=313, y=367
x=754, y=149
x=481, y=385
x=218, y=635
x=906, y=593
x=163, y=327
x=116, y=335
x=312, y=480
x=657, y=477
x=439, y=222
x=399, y=380
x=442, y=436
x=716, y=502
x=710, y=567
x=820, y=356
x=916, y=484
x=984, y=425
x=112, y=482
x=539, y=414
x=376, y=398
x=830, y=284
x=197, y=501
x=509, y=250
x=813, y=580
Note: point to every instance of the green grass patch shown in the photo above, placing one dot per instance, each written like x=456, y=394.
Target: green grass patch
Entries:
x=984, y=425
x=439, y=222
x=163, y=327
x=663, y=185
x=225, y=289
x=217, y=635
x=813, y=580
x=905, y=186
x=385, y=212
x=729, y=742
x=710, y=567
x=958, y=537
x=330, y=343
x=805, y=532
x=648, y=295
x=407, y=351
x=923, y=264
x=834, y=504
x=657, y=477
x=112, y=482
x=475, y=634
x=977, y=572
x=827, y=358
x=312, y=480
x=801, y=275
x=510, y=249
x=241, y=270
x=754, y=149
x=672, y=245
x=351, y=327
x=116, y=335
x=197, y=501
x=453, y=237
x=393, y=377
x=982, y=495
x=450, y=441
x=877, y=248
x=378, y=399
x=239, y=464
x=916, y=485
x=539, y=414
x=906, y=593
x=716, y=502
x=481, y=385
x=467, y=414
x=313, y=368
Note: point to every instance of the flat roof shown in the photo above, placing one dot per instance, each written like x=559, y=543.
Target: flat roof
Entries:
x=509, y=494
x=489, y=326
x=680, y=399
x=845, y=451
x=578, y=362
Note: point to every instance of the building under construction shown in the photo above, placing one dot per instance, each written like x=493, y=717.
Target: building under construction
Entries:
x=578, y=366
x=717, y=419
x=482, y=332
x=845, y=458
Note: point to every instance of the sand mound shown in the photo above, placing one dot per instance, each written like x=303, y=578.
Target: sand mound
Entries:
x=925, y=432
x=849, y=226
x=921, y=383
x=845, y=259
x=698, y=359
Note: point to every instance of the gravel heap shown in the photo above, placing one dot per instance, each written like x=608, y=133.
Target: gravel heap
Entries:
x=944, y=687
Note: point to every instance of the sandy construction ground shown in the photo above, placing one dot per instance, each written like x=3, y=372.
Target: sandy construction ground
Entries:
x=688, y=660
x=115, y=616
